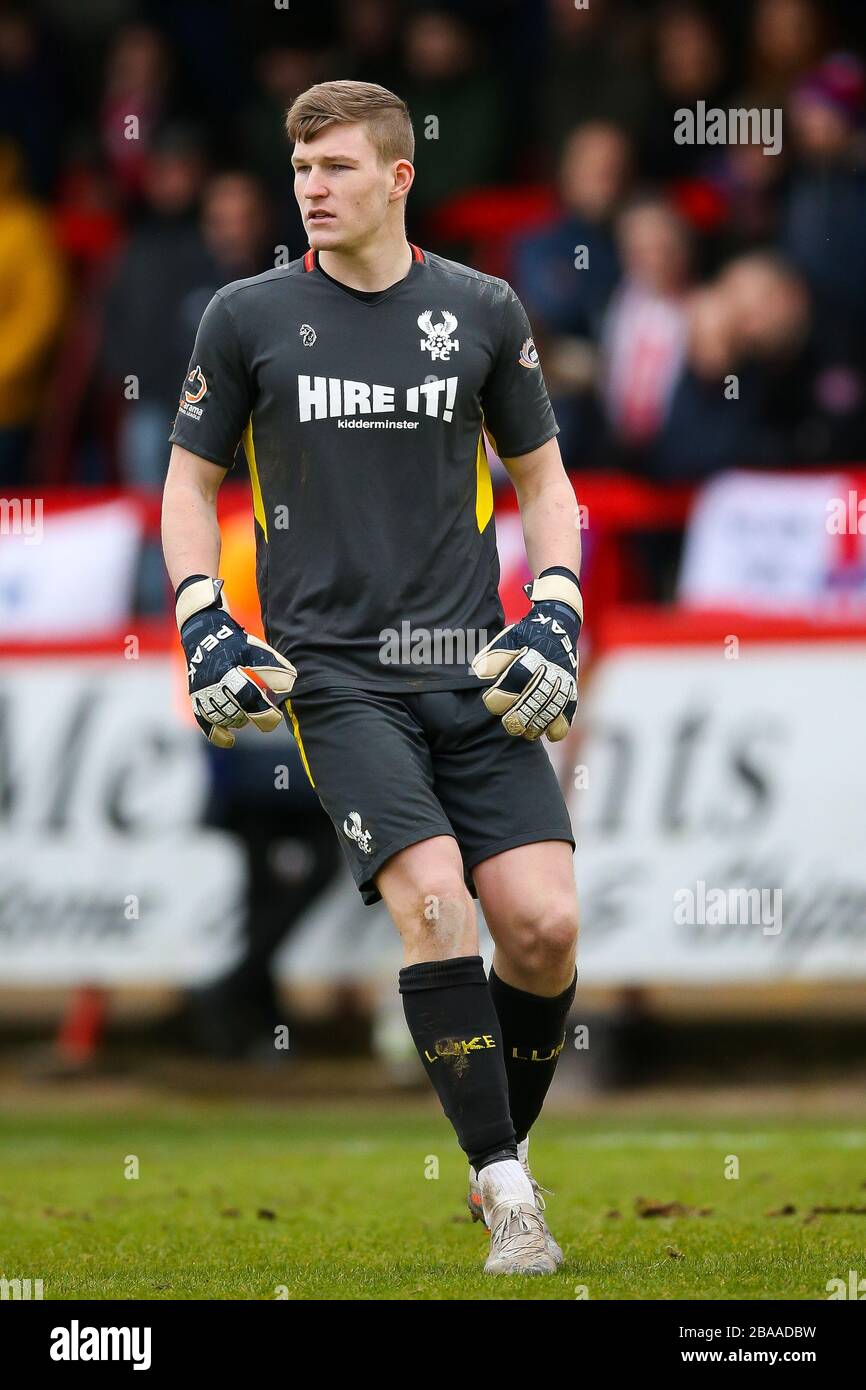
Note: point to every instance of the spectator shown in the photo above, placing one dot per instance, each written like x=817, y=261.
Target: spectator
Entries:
x=447, y=80
x=566, y=273
x=150, y=334
x=787, y=38
x=370, y=33
x=747, y=185
x=645, y=329
x=282, y=71
x=236, y=227
x=744, y=335
x=87, y=219
x=135, y=100
x=29, y=105
x=561, y=297
x=31, y=307
x=690, y=66
x=594, y=69
x=814, y=412
x=769, y=305
x=824, y=218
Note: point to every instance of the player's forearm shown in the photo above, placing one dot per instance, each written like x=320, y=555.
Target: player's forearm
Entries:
x=550, y=531
x=190, y=530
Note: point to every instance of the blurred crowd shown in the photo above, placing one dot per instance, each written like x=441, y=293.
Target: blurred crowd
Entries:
x=696, y=306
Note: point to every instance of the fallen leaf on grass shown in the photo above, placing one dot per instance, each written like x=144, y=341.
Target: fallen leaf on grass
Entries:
x=644, y=1208
x=835, y=1211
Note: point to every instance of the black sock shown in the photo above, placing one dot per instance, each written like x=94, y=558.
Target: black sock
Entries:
x=533, y=1034
x=455, y=1029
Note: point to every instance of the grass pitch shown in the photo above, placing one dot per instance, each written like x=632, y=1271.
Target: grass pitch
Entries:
x=235, y=1201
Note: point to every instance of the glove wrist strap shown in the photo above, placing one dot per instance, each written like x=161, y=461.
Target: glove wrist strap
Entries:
x=559, y=588
x=195, y=594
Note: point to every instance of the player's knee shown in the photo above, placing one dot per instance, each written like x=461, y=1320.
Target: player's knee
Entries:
x=441, y=920
x=549, y=938
x=427, y=897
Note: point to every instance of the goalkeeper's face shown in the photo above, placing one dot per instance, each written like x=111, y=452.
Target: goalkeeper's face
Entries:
x=344, y=190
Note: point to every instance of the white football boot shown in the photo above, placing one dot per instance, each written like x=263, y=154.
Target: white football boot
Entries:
x=476, y=1208
x=518, y=1238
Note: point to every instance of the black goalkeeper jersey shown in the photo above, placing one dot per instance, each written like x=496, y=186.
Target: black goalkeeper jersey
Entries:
x=362, y=422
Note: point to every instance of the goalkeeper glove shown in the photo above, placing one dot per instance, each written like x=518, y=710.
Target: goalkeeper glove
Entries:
x=535, y=661
x=233, y=677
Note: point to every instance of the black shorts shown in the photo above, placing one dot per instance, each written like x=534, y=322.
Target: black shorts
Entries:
x=392, y=768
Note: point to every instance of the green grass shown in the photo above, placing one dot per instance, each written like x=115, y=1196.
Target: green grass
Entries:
x=355, y=1217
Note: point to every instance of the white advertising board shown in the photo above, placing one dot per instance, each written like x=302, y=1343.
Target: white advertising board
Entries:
x=776, y=544
x=106, y=875
x=87, y=555
x=720, y=813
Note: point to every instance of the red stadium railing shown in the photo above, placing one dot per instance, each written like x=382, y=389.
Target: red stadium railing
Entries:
x=613, y=508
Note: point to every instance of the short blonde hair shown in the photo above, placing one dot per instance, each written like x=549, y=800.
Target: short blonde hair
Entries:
x=384, y=114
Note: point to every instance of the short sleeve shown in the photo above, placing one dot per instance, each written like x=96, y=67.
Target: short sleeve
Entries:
x=215, y=400
x=518, y=415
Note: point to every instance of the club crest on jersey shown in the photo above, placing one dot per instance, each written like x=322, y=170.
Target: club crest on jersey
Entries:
x=528, y=354
x=438, y=341
x=307, y=334
x=353, y=829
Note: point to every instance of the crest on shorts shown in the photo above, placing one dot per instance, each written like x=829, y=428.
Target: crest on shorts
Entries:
x=353, y=829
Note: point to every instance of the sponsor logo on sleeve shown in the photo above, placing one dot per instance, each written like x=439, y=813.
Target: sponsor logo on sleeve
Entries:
x=194, y=390
x=528, y=354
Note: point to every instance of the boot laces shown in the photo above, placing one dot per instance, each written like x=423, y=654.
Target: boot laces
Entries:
x=508, y=1231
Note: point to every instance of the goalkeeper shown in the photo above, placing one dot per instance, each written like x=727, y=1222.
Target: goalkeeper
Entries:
x=361, y=379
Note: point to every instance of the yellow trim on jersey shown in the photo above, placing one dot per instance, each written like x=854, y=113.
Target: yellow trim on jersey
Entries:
x=483, y=486
x=300, y=742
x=258, y=503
